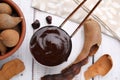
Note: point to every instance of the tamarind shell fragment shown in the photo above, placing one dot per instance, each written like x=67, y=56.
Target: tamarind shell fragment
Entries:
x=101, y=67
x=11, y=69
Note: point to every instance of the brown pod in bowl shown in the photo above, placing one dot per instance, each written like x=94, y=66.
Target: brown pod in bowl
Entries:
x=14, y=11
x=5, y=8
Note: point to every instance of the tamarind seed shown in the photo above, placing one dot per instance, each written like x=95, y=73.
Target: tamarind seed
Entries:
x=49, y=19
x=36, y=24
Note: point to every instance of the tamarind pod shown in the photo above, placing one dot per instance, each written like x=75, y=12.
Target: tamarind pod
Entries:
x=92, y=34
x=68, y=73
x=7, y=21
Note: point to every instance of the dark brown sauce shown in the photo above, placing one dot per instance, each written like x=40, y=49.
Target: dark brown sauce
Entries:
x=50, y=45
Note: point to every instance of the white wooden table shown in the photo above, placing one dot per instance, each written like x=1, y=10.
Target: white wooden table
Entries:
x=34, y=71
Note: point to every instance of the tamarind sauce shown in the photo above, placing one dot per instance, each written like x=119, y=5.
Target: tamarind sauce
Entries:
x=50, y=45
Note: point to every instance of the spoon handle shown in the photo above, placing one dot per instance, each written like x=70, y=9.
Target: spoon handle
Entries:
x=72, y=13
x=86, y=17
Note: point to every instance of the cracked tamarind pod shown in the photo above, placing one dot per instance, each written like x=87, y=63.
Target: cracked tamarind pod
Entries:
x=101, y=67
x=92, y=32
x=7, y=21
x=11, y=69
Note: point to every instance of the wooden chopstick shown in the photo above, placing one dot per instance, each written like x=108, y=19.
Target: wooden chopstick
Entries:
x=73, y=13
x=86, y=17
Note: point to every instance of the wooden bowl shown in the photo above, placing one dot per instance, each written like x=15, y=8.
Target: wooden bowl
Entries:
x=22, y=28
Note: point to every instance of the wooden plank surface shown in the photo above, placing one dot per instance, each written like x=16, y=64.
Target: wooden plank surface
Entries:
x=23, y=52
x=34, y=70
